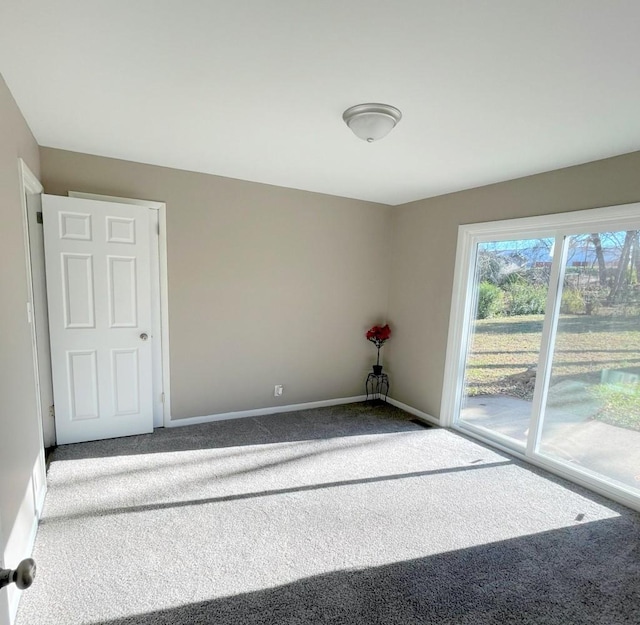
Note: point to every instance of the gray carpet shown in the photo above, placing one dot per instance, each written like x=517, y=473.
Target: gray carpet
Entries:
x=351, y=514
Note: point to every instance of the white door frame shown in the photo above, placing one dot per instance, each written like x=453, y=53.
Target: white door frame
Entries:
x=159, y=300
x=19, y=539
x=30, y=184
x=38, y=303
x=5, y=617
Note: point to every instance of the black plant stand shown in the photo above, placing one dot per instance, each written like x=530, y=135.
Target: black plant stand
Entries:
x=377, y=385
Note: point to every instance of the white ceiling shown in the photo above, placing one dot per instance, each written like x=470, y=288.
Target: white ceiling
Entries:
x=255, y=89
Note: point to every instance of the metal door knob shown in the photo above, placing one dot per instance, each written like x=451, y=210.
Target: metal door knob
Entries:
x=144, y=336
x=22, y=576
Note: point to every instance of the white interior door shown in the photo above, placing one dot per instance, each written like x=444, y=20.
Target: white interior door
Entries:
x=98, y=289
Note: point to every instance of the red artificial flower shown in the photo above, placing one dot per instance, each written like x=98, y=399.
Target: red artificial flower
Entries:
x=379, y=334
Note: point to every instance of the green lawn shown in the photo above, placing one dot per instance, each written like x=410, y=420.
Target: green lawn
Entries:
x=504, y=351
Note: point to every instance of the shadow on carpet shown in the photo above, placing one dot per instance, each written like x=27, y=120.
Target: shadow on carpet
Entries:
x=538, y=579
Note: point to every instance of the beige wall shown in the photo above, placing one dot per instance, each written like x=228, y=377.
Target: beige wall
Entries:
x=271, y=285
x=19, y=430
x=423, y=248
x=267, y=285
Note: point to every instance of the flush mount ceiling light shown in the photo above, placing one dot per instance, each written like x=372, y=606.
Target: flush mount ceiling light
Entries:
x=371, y=122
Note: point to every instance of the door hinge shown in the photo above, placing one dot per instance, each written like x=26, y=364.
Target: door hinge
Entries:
x=162, y=397
x=52, y=411
x=39, y=217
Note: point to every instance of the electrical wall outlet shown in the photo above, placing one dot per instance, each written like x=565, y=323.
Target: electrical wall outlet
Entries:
x=277, y=390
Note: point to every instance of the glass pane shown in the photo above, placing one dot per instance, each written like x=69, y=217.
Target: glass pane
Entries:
x=511, y=284
x=592, y=414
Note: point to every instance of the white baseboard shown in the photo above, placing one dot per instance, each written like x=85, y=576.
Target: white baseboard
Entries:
x=39, y=483
x=40, y=497
x=258, y=412
x=423, y=416
x=14, y=593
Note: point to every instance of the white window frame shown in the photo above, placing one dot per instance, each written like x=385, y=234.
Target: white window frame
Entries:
x=559, y=226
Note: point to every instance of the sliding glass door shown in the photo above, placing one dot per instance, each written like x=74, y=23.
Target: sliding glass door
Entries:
x=544, y=345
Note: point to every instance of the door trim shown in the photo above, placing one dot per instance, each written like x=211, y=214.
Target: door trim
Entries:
x=20, y=538
x=160, y=269
x=30, y=184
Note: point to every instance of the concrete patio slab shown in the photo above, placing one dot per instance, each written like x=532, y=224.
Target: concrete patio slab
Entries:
x=570, y=435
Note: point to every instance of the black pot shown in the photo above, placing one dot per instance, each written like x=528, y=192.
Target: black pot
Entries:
x=377, y=369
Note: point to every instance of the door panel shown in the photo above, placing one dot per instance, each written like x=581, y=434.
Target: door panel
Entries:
x=122, y=289
x=97, y=257
x=77, y=282
x=124, y=363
